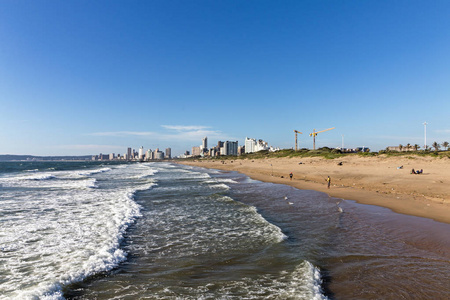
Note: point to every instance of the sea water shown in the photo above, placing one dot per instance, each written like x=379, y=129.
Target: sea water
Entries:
x=87, y=230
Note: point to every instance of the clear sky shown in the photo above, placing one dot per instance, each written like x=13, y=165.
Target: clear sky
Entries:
x=84, y=77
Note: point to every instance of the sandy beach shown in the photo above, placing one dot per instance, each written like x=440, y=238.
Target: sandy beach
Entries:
x=383, y=181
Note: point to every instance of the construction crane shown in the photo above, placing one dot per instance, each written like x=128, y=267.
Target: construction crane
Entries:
x=314, y=133
x=296, y=131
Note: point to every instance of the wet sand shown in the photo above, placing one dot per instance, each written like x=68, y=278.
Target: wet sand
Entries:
x=367, y=180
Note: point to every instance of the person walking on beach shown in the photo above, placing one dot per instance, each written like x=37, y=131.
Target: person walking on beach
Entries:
x=329, y=181
x=290, y=175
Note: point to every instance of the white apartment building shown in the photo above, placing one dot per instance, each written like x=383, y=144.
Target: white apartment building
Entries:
x=141, y=152
x=252, y=145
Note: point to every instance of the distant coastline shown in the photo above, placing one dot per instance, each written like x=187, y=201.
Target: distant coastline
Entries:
x=12, y=157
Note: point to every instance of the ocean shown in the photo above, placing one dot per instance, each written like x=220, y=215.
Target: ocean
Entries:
x=105, y=230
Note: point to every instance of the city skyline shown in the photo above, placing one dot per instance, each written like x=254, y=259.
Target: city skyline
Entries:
x=132, y=155
x=84, y=78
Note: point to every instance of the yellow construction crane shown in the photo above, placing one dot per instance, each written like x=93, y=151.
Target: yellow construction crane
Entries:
x=296, y=138
x=314, y=133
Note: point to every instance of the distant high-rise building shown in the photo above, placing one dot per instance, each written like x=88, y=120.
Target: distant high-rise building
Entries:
x=168, y=153
x=148, y=154
x=112, y=156
x=196, y=151
x=241, y=150
x=103, y=156
x=128, y=154
x=141, y=152
x=205, y=143
x=218, y=148
x=250, y=145
x=158, y=154
x=229, y=148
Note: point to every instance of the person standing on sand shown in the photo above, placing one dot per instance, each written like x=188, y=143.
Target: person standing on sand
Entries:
x=329, y=181
x=290, y=175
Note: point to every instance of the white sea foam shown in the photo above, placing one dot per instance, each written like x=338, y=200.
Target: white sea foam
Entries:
x=270, y=230
x=223, y=180
x=45, y=181
x=147, y=172
x=54, y=179
x=195, y=175
x=63, y=231
x=92, y=172
x=37, y=176
x=216, y=218
x=301, y=283
x=220, y=186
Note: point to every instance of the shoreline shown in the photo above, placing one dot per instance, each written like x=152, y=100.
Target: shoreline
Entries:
x=367, y=180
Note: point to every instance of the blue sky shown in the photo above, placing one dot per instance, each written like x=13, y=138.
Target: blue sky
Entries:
x=84, y=77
